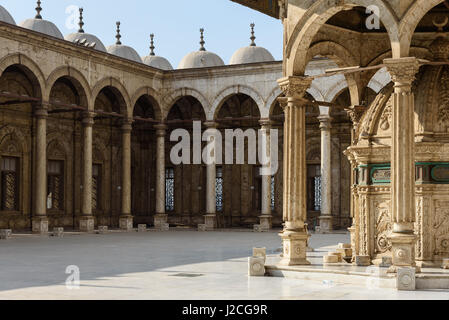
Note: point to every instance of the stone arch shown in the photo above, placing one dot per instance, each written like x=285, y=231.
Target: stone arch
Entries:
x=315, y=92
x=343, y=58
x=318, y=14
x=77, y=79
x=150, y=92
x=31, y=68
x=226, y=93
x=410, y=22
x=271, y=101
x=125, y=109
x=335, y=91
x=175, y=95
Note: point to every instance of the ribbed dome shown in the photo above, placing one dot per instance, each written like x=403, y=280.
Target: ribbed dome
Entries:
x=124, y=52
x=5, y=16
x=201, y=59
x=42, y=26
x=251, y=54
x=88, y=38
x=83, y=38
x=158, y=62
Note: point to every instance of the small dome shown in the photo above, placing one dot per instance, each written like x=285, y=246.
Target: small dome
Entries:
x=42, y=26
x=201, y=59
x=157, y=62
x=5, y=16
x=124, y=52
x=88, y=38
x=251, y=54
x=83, y=38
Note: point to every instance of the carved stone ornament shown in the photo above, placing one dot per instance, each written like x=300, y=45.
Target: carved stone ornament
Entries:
x=295, y=87
x=402, y=70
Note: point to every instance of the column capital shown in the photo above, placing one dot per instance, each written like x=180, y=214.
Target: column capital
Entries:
x=325, y=122
x=402, y=70
x=266, y=123
x=211, y=124
x=88, y=118
x=355, y=113
x=161, y=129
x=295, y=86
x=41, y=110
x=127, y=125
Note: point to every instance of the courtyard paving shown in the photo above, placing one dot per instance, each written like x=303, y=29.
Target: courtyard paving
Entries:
x=165, y=265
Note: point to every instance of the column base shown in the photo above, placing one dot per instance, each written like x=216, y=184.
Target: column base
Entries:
x=403, y=249
x=266, y=223
x=352, y=230
x=40, y=225
x=295, y=248
x=87, y=224
x=160, y=220
x=325, y=224
x=210, y=220
x=126, y=223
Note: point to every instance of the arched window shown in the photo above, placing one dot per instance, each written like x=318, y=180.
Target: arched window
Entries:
x=55, y=185
x=10, y=183
x=219, y=189
x=169, y=189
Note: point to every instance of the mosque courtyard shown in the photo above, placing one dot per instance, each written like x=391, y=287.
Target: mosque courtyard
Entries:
x=175, y=265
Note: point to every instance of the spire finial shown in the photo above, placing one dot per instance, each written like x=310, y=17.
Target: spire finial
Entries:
x=38, y=9
x=118, y=36
x=152, y=47
x=202, y=42
x=81, y=23
x=253, y=37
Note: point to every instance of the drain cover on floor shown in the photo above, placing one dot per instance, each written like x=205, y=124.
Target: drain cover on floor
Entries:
x=188, y=275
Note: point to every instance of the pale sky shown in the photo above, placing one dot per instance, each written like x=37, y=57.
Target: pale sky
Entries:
x=175, y=23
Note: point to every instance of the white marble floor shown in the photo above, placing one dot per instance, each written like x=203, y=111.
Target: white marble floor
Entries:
x=172, y=265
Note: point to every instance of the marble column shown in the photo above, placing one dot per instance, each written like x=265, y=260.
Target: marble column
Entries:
x=161, y=218
x=326, y=219
x=295, y=235
x=355, y=113
x=87, y=222
x=210, y=219
x=126, y=218
x=40, y=219
x=266, y=218
x=403, y=71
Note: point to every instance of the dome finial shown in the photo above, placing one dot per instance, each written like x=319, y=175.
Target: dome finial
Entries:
x=202, y=42
x=118, y=36
x=253, y=37
x=441, y=25
x=81, y=23
x=152, y=47
x=38, y=9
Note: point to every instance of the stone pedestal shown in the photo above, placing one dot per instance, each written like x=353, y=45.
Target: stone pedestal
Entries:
x=142, y=228
x=160, y=220
x=325, y=224
x=87, y=224
x=406, y=280
x=210, y=220
x=445, y=264
x=126, y=223
x=295, y=248
x=256, y=267
x=58, y=232
x=403, y=248
x=362, y=261
x=5, y=234
x=266, y=223
x=103, y=229
x=260, y=253
x=40, y=225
